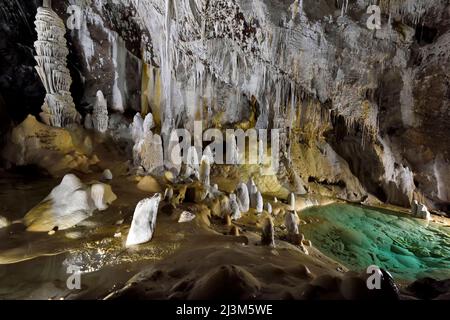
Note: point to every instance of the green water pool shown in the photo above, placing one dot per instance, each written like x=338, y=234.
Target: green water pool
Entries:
x=358, y=237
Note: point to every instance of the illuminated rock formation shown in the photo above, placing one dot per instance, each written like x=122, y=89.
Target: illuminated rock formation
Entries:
x=58, y=109
x=100, y=114
x=243, y=197
x=144, y=221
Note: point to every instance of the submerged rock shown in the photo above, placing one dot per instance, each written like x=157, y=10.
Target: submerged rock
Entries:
x=68, y=204
x=144, y=221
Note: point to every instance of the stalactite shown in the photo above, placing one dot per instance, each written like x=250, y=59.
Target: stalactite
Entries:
x=58, y=109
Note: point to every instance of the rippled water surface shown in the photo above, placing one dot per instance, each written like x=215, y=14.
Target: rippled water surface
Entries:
x=358, y=237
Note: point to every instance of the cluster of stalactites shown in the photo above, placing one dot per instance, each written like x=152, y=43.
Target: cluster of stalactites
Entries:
x=58, y=109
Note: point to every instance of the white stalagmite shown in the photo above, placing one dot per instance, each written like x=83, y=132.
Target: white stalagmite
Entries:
x=148, y=124
x=234, y=207
x=205, y=171
x=268, y=207
x=58, y=109
x=168, y=194
x=100, y=114
x=292, y=221
x=144, y=221
x=137, y=128
x=259, y=203
x=292, y=204
x=419, y=210
x=253, y=192
x=209, y=154
x=243, y=197
x=192, y=163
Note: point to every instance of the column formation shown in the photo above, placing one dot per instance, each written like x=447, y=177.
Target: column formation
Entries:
x=58, y=109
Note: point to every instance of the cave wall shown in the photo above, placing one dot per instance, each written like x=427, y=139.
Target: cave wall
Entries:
x=371, y=107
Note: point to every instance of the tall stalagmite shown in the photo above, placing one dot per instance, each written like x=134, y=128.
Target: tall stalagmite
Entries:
x=58, y=109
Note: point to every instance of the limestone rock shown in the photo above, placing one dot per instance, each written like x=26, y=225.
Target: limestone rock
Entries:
x=420, y=211
x=68, y=204
x=144, y=221
x=50, y=148
x=149, y=184
x=148, y=153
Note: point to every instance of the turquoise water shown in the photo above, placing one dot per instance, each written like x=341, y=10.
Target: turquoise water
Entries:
x=359, y=237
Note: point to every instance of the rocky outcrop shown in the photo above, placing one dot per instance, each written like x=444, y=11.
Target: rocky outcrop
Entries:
x=55, y=150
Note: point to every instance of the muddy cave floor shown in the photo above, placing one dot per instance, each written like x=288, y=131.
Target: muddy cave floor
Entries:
x=200, y=259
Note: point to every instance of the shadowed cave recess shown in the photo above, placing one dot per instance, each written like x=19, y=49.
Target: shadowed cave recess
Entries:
x=351, y=127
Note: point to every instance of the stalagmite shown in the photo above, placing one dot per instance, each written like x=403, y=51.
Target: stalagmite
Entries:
x=107, y=175
x=420, y=211
x=259, y=203
x=253, y=193
x=100, y=114
x=192, y=164
x=268, y=207
x=243, y=197
x=149, y=154
x=144, y=221
x=292, y=204
x=292, y=221
x=209, y=155
x=234, y=208
x=148, y=124
x=205, y=171
x=88, y=124
x=58, y=109
x=268, y=233
x=102, y=196
x=137, y=128
x=168, y=194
